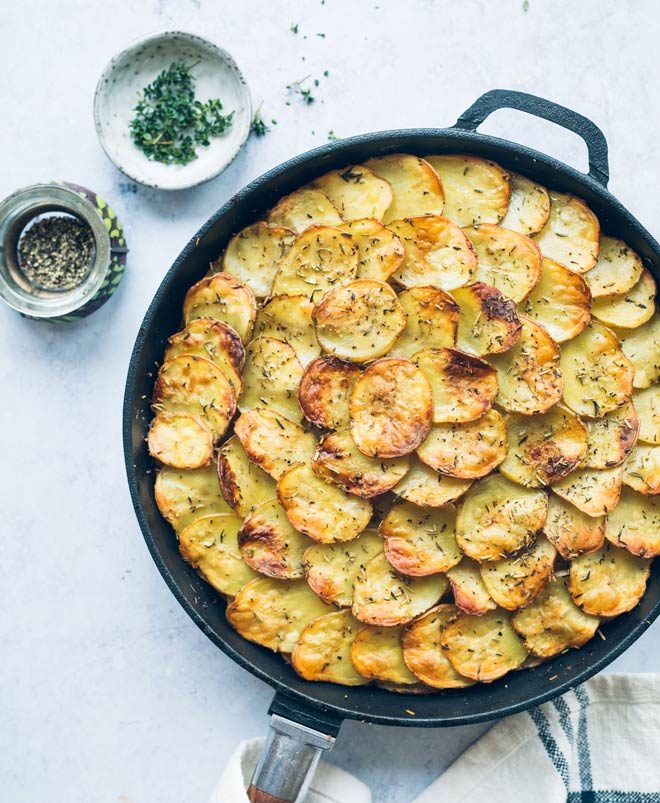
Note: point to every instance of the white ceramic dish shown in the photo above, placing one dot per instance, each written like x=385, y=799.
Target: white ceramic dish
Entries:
x=217, y=76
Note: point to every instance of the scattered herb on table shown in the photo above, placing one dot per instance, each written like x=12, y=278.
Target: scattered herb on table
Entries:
x=525, y=6
x=332, y=136
x=294, y=27
x=297, y=88
x=55, y=252
x=259, y=126
x=170, y=123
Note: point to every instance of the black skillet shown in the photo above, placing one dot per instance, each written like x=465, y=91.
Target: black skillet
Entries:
x=307, y=716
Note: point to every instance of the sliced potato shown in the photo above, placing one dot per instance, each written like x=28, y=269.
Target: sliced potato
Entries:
x=325, y=389
x=436, y=252
x=476, y=190
x=273, y=612
x=416, y=187
x=377, y=654
x=272, y=442
x=463, y=386
x=508, y=260
x=553, y=623
x=289, y=318
x=308, y=206
x=271, y=378
x=529, y=375
x=571, y=531
x=197, y=387
x=323, y=651
x=635, y=524
x=356, y=192
x=543, y=448
x=390, y=408
x=470, y=593
x=593, y=491
x=180, y=440
x=642, y=347
x=630, y=310
x=598, y=376
x=647, y=405
x=424, y=487
x=359, y=321
x=610, y=439
x=560, y=301
x=243, y=484
x=467, y=451
x=641, y=470
x=225, y=298
x=321, y=258
x=420, y=541
x=331, y=569
x=183, y=496
x=571, y=233
x=431, y=321
x=384, y=598
x=515, y=582
x=608, y=582
x=489, y=323
x=482, y=647
x=321, y=510
x=499, y=518
x=529, y=206
x=380, y=251
x=338, y=459
x=617, y=271
x=252, y=255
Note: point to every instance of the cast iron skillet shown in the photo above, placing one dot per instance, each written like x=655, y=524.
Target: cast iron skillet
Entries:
x=307, y=715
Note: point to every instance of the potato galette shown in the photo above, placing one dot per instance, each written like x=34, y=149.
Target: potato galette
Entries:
x=398, y=406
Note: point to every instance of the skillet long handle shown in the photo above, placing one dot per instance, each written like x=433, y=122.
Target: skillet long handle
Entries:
x=287, y=762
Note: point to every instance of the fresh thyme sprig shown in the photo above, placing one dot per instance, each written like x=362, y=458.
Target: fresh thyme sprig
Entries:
x=297, y=88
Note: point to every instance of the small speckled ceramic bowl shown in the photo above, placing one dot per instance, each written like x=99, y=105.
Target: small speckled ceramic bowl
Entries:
x=130, y=71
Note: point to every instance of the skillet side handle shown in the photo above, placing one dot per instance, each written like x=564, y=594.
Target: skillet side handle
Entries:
x=593, y=137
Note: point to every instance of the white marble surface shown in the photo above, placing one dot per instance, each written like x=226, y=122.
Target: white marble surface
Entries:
x=107, y=691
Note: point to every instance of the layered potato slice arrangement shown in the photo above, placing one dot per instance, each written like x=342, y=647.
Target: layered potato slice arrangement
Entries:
x=410, y=427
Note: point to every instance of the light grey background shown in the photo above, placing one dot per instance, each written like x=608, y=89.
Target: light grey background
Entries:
x=107, y=691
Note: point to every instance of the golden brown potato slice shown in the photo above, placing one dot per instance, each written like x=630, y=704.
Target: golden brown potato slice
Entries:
x=416, y=187
x=180, y=440
x=243, y=484
x=359, y=321
x=529, y=375
x=384, y=598
x=271, y=378
x=571, y=234
x=641, y=469
x=272, y=442
x=422, y=651
x=321, y=258
x=225, y=298
x=515, y=582
x=470, y=593
x=338, y=459
x=377, y=654
x=553, y=623
x=597, y=375
x=463, y=386
x=608, y=582
x=431, y=321
x=323, y=651
x=543, y=448
x=356, y=192
x=197, y=387
x=437, y=252
x=210, y=545
x=424, y=487
x=529, y=206
x=571, y=531
x=482, y=647
x=289, y=318
x=252, y=255
x=610, y=439
x=319, y=509
x=489, y=323
x=560, y=301
x=635, y=524
x=308, y=206
x=647, y=406
x=331, y=569
x=420, y=541
x=380, y=251
x=274, y=612
x=508, y=260
x=499, y=518
x=390, y=408
x=630, y=310
x=183, y=495
x=325, y=389
x=617, y=271
x=642, y=347
x=467, y=451
x=593, y=491
x=476, y=190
